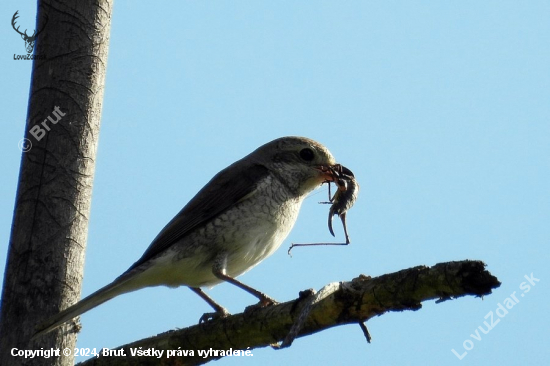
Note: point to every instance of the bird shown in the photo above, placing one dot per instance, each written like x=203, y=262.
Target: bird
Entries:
x=239, y=218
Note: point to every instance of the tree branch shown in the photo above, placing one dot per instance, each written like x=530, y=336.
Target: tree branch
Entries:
x=336, y=304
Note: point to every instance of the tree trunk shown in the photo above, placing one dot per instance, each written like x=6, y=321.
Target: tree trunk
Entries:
x=46, y=250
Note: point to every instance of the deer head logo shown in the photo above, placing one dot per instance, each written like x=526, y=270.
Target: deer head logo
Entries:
x=29, y=40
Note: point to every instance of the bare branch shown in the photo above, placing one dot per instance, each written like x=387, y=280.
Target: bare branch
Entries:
x=349, y=302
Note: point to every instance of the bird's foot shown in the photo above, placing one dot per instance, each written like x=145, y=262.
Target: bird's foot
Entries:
x=264, y=301
x=267, y=301
x=219, y=314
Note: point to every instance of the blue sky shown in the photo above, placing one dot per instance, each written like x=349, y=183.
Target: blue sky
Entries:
x=441, y=109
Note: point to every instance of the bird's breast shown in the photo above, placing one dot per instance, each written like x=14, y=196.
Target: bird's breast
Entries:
x=267, y=217
x=246, y=233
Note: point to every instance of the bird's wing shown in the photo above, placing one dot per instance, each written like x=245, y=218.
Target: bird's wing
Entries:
x=227, y=188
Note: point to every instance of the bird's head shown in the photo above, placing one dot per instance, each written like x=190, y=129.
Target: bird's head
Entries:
x=300, y=163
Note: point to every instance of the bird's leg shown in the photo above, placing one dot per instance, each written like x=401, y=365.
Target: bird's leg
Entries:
x=220, y=311
x=219, y=270
x=264, y=299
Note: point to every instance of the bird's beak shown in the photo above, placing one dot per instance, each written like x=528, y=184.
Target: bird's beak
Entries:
x=327, y=173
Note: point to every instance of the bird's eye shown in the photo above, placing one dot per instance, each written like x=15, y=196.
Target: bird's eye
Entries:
x=307, y=154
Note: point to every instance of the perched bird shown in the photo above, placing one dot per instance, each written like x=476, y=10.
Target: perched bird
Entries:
x=234, y=222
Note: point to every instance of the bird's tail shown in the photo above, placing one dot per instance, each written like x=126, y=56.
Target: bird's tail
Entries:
x=117, y=287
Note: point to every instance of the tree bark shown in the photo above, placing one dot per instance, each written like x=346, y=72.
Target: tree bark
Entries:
x=48, y=238
x=336, y=304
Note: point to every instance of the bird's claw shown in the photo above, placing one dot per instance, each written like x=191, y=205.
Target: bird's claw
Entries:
x=264, y=301
x=206, y=317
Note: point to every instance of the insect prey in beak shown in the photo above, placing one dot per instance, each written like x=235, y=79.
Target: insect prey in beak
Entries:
x=344, y=198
